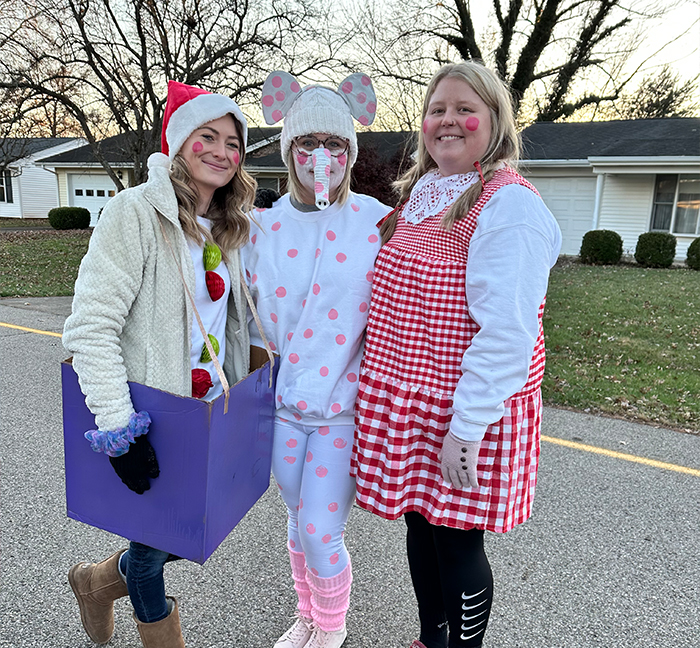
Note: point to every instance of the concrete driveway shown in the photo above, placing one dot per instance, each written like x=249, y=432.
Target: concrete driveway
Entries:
x=610, y=558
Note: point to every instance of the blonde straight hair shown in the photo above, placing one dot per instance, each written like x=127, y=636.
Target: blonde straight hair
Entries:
x=227, y=210
x=504, y=143
x=296, y=188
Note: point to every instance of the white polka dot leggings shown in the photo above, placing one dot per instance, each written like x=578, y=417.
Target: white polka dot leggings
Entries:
x=311, y=466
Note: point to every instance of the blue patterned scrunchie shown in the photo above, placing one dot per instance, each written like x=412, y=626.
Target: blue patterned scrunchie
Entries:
x=115, y=443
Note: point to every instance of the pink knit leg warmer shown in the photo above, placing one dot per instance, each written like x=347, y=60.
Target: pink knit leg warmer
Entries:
x=330, y=599
x=301, y=584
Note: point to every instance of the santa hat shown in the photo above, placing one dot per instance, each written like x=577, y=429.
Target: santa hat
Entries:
x=188, y=108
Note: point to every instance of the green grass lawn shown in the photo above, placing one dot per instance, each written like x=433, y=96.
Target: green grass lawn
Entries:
x=625, y=340
x=622, y=340
x=23, y=222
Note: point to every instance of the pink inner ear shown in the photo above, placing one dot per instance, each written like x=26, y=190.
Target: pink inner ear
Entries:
x=472, y=123
x=236, y=157
x=197, y=147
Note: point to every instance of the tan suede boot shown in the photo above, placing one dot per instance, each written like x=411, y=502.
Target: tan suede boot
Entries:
x=165, y=633
x=97, y=586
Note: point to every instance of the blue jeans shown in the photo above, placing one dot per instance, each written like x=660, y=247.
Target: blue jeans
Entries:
x=143, y=567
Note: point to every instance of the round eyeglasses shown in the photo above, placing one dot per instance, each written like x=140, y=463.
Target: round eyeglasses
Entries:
x=307, y=144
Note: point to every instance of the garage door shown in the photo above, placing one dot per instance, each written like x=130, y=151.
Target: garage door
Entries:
x=91, y=191
x=572, y=201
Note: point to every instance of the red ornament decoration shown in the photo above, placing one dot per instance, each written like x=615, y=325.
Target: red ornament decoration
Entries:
x=215, y=285
x=201, y=383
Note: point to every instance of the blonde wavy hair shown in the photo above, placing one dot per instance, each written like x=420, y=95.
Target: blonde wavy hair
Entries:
x=504, y=143
x=296, y=188
x=227, y=210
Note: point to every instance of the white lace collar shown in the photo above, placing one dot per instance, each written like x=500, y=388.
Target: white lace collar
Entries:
x=433, y=192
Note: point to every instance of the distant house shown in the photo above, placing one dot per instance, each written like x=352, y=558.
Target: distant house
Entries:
x=27, y=190
x=628, y=176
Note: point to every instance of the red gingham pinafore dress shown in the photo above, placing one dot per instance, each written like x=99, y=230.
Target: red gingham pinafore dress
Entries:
x=418, y=330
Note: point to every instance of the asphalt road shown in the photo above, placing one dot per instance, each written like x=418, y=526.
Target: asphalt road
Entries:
x=609, y=559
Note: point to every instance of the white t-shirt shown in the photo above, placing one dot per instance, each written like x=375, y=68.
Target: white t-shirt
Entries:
x=310, y=274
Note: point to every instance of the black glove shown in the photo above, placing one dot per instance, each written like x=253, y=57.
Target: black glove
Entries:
x=138, y=465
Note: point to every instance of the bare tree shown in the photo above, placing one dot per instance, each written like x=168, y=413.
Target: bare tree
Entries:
x=558, y=56
x=107, y=62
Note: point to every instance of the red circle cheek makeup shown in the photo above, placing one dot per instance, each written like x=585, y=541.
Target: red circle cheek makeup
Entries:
x=472, y=123
x=197, y=147
x=236, y=157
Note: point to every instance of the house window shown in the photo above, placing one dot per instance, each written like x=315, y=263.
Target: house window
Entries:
x=89, y=192
x=78, y=192
x=100, y=193
x=677, y=204
x=6, y=187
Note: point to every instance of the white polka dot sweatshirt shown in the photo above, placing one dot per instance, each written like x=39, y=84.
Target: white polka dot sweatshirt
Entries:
x=310, y=274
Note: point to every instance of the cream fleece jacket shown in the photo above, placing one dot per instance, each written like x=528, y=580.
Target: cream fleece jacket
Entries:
x=131, y=317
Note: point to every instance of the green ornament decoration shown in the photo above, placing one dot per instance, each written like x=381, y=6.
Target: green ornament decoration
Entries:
x=212, y=256
x=205, y=357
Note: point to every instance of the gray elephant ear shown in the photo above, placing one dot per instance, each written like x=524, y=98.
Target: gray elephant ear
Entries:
x=279, y=92
x=358, y=92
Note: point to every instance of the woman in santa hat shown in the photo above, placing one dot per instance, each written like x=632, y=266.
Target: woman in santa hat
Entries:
x=309, y=267
x=131, y=321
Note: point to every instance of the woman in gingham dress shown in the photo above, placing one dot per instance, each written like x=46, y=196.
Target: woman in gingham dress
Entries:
x=449, y=408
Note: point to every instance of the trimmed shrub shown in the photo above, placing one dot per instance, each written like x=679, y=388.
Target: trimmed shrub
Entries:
x=61, y=218
x=692, y=260
x=655, y=250
x=601, y=247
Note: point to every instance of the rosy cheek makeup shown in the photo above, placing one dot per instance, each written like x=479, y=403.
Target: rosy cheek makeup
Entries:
x=342, y=159
x=236, y=157
x=302, y=159
x=197, y=147
x=472, y=123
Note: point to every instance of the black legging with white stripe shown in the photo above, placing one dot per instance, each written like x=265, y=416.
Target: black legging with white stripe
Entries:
x=452, y=580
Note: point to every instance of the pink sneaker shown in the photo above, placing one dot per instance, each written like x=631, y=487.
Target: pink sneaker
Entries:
x=298, y=635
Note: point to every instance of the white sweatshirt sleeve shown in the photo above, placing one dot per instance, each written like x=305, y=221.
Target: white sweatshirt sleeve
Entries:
x=516, y=242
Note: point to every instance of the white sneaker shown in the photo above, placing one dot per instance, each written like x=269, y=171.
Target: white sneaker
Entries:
x=322, y=639
x=298, y=635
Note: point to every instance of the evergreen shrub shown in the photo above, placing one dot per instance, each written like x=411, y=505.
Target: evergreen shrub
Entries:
x=692, y=259
x=61, y=218
x=655, y=250
x=601, y=247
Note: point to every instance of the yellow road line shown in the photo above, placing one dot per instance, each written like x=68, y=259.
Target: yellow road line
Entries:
x=30, y=330
x=621, y=455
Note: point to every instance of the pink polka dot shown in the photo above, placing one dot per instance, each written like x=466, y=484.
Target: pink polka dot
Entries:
x=276, y=226
x=280, y=95
x=342, y=159
x=372, y=238
x=333, y=507
x=277, y=115
x=330, y=235
x=314, y=571
x=301, y=503
x=260, y=210
x=318, y=187
x=292, y=544
x=334, y=558
x=309, y=457
x=365, y=80
x=364, y=120
x=332, y=314
x=290, y=460
x=363, y=307
x=324, y=371
x=297, y=416
x=303, y=303
x=351, y=377
x=361, y=98
x=355, y=208
x=290, y=335
x=321, y=471
x=273, y=317
x=369, y=276
x=277, y=81
x=371, y=107
x=302, y=405
x=294, y=87
x=340, y=443
x=308, y=333
x=268, y=100
x=327, y=171
x=326, y=538
x=340, y=339
x=318, y=252
x=281, y=292
x=323, y=430
x=292, y=253
x=273, y=346
x=279, y=398
x=236, y=157
x=341, y=258
x=293, y=358
x=336, y=408
x=253, y=238
x=310, y=528
x=197, y=147
x=316, y=289
x=291, y=443
x=347, y=87
x=254, y=278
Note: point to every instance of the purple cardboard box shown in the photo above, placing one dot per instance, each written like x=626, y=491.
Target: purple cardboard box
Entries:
x=213, y=466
